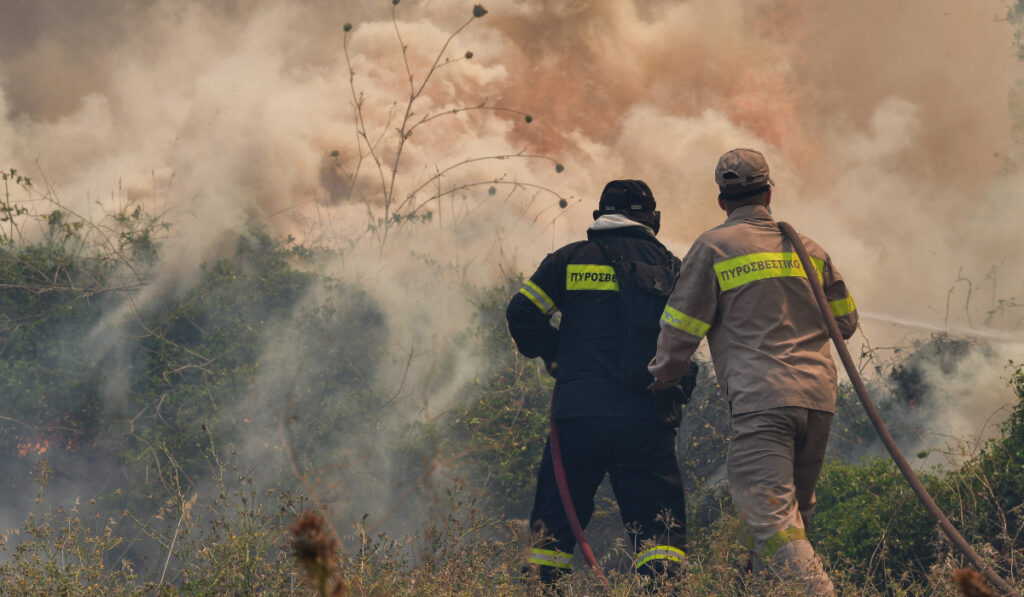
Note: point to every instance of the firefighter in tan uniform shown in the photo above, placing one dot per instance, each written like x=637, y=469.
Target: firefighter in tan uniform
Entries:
x=742, y=286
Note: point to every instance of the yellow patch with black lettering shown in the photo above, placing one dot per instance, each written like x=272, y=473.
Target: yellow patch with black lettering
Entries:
x=744, y=269
x=585, y=276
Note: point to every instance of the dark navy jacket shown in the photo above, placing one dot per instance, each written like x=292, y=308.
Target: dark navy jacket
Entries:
x=579, y=281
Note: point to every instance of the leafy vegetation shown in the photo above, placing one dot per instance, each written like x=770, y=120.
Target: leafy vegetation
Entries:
x=190, y=522
x=264, y=347
x=167, y=445
x=867, y=514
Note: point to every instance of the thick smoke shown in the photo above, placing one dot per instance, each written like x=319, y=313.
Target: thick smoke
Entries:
x=886, y=125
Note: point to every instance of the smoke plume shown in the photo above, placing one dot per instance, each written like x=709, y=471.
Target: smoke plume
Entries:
x=887, y=127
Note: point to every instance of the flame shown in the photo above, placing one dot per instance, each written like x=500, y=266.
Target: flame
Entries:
x=35, y=448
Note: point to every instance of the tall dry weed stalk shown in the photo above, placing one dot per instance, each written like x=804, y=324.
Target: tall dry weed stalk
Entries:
x=316, y=551
x=377, y=141
x=972, y=584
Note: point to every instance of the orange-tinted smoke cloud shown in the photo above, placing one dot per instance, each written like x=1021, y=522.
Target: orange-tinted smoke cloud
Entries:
x=880, y=120
x=587, y=67
x=884, y=122
x=790, y=72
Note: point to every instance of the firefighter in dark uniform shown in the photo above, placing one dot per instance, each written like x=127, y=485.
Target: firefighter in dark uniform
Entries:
x=611, y=290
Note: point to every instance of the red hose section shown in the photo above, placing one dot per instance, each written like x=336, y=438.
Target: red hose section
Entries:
x=563, y=492
x=876, y=420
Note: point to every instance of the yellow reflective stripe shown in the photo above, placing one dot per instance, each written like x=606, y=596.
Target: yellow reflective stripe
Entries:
x=660, y=552
x=843, y=306
x=682, y=321
x=583, y=276
x=781, y=538
x=735, y=272
x=549, y=557
x=538, y=297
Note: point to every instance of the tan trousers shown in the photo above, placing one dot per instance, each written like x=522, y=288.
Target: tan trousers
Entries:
x=774, y=460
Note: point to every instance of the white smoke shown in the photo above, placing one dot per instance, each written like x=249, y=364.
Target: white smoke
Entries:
x=881, y=122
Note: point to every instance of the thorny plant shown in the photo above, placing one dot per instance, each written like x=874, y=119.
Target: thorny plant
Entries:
x=59, y=269
x=104, y=255
x=376, y=143
x=63, y=550
x=10, y=212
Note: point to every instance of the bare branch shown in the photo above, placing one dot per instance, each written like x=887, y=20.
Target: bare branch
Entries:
x=481, y=106
x=967, y=301
x=515, y=183
x=357, y=101
x=439, y=173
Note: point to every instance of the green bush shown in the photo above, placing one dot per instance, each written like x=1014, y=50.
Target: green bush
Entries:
x=869, y=516
x=495, y=433
x=262, y=343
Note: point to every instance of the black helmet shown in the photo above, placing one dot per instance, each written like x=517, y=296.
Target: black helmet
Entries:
x=632, y=198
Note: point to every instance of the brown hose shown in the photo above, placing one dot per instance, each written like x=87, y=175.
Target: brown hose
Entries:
x=876, y=420
x=555, y=444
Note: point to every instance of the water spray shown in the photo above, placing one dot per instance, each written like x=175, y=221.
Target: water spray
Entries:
x=883, y=432
x=993, y=335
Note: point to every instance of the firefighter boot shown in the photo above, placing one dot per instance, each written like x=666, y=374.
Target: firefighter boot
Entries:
x=658, y=576
x=543, y=580
x=797, y=561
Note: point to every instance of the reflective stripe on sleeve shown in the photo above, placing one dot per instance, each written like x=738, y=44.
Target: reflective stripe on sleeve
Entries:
x=735, y=272
x=843, y=306
x=550, y=557
x=682, y=321
x=660, y=552
x=538, y=297
x=781, y=538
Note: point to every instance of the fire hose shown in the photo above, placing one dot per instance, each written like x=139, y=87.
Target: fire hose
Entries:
x=876, y=420
x=563, y=493
x=869, y=406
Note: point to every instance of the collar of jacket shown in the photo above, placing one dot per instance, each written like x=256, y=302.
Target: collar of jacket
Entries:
x=750, y=212
x=617, y=222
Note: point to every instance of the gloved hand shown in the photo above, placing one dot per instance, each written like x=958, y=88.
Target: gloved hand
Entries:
x=552, y=368
x=689, y=382
x=669, y=398
x=668, y=407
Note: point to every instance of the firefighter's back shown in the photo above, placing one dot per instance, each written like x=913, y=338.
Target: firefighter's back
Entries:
x=769, y=346
x=593, y=327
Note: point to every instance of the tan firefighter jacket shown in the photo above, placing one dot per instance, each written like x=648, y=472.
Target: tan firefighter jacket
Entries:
x=743, y=287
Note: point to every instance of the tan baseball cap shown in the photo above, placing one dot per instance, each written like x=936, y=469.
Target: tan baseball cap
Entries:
x=742, y=173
